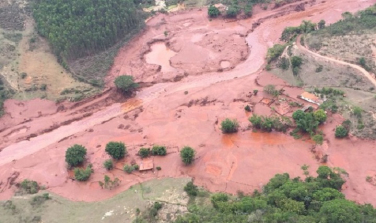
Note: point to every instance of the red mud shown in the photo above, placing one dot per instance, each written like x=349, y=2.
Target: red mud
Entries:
x=163, y=114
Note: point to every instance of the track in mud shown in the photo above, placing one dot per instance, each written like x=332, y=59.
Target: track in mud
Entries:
x=163, y=114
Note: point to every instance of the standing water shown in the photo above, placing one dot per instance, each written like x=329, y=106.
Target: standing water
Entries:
x=160, y=54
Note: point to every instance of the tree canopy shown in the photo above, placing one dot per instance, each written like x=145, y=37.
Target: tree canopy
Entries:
x=285, y=199
x=77, y=28
x=75, y=155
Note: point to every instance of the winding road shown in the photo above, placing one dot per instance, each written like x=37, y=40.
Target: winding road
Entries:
x=357, y=67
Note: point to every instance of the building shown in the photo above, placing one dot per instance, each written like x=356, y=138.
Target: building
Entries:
x=310, y=98
x=146, y=164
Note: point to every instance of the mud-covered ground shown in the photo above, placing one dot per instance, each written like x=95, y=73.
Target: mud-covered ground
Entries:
x=184, y=107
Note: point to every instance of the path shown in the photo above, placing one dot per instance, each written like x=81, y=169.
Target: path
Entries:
x=357, y=67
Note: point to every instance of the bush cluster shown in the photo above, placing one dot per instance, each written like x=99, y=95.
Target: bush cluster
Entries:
x=269, y=123
x=158, y=150
x=130, y=168
x=29, y=187
x=83, y=174
x=229, y=126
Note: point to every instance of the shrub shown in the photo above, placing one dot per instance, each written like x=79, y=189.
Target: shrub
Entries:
x=270, y=89
x=321, y=24
x=43, y=87
x=296, y=61
x=187, y=155
x=158, y=168
x=341, y=132
x=108, y=183
x=29, y=186
x=116, y=150
x=229, y=126
x=191, y=189
x=318, y=139
x=213, y=11
x=39, y=200
x=125, y=83
x=247, y=108
x=144, y=152
x=130, y=168
x=284, y=63
x=255, y=92
x=108, y=164
x=232, y=11
x=319, y=69
x=82, y=174
x=75, y=155
x=357, y=111
x=23, y=75
x=158, y=150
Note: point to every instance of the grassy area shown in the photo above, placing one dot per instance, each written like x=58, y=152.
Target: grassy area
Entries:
x=351, y=39
x=120, y=208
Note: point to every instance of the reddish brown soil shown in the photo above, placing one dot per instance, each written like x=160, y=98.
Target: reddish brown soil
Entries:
x=164, y=114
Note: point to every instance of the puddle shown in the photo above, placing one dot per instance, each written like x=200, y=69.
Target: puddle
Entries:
x=225, y=64
x=160, y=54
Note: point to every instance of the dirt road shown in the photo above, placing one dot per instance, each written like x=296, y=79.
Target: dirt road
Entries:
x=357, y=67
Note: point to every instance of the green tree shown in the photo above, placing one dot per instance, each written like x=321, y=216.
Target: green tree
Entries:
x=125, y=83
x=341, y=211
x=116, y=150
x=187, y=155
x=320, y=116
x=75, y=155
x=108, y=164
x=296, y=61
x=229, y=126
x=341, y=132
x=321, y=24
x=213, y=11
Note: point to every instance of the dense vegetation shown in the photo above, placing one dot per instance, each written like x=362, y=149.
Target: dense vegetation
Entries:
x=362, y=20
x=75, y=155
x=5, y=93
x=314, y=199
x=77, y=28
